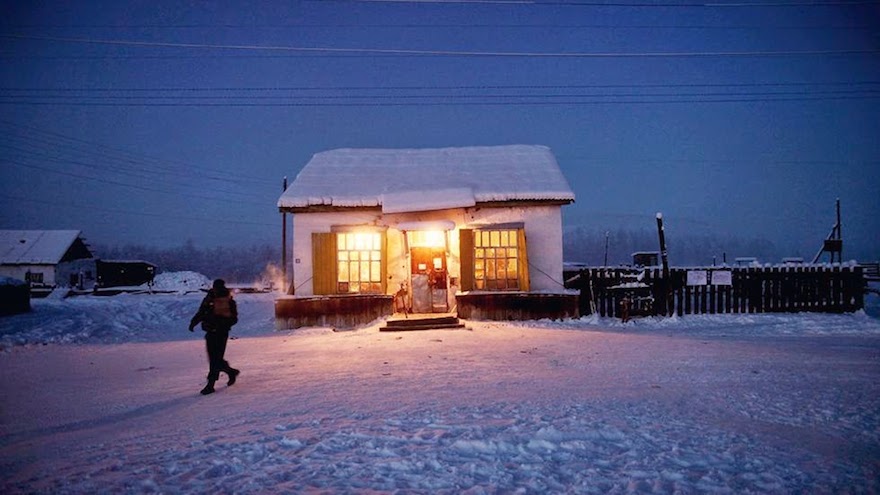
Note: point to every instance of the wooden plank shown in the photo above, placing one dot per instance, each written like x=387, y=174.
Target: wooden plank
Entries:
x=681, y=279
x=712, y=299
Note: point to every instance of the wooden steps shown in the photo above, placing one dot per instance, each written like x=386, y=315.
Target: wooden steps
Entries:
x=422, y=322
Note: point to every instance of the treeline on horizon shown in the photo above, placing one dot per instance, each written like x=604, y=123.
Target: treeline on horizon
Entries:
x=235, y=264
x=261, y=262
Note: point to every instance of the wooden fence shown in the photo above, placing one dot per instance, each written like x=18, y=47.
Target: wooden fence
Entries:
x=713, y=290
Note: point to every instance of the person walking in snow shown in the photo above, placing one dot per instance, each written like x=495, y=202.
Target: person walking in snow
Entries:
x=217, y=314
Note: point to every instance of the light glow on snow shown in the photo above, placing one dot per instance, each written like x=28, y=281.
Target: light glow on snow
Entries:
x=100, y=394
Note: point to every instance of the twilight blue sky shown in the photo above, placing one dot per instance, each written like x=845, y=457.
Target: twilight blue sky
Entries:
x=156, y=122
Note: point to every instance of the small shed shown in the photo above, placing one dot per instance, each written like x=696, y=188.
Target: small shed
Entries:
x=124, y=273
x=475, y=231
x=46, y=259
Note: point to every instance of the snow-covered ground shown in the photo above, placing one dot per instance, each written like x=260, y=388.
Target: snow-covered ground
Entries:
x=100, y=395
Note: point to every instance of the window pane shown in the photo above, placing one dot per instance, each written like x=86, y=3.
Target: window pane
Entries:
x=496, y=238
x=512, y=268
x=513, y=238
x=490, y=253
x=359, y=266
x=486, y=242
x=504, y=235
x=501, y=268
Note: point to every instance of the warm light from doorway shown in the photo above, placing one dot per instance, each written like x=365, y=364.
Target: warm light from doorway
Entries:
x=427, y=238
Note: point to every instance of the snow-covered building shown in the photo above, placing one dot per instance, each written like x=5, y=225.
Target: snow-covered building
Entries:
x=475, y=231
x=47, y=258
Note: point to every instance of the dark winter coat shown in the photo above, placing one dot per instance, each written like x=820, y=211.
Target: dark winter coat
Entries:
x=217, y=313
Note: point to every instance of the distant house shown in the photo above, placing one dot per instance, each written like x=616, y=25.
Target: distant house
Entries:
x=475, y=230
x=47, y=258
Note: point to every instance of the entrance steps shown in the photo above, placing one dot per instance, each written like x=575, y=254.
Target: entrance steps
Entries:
x=422, y=322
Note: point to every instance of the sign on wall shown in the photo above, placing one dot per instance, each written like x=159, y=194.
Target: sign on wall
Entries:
x=722, y=277
x=697, y=277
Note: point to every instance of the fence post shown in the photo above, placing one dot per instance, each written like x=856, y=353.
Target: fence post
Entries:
x=711, y=299
x=681, y=281
x=836, y=296
x=859, y=286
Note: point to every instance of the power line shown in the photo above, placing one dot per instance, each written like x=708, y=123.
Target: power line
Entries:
x=104, y=151
x=117, y=183
x=31, y=155
x=445, y=87
x=443, y=26
x=496, y=96
x=224, y=219
x=434, y=103
x=570, y=3
x=452, y=53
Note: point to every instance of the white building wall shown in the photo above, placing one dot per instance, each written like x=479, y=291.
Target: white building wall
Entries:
x=543, y=228
x=20, y=272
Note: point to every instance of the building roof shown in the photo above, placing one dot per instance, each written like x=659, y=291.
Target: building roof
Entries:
x=35, y=247
x=402, y=180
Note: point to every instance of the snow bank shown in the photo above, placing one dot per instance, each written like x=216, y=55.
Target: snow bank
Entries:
x=180, y=282
x=11, y=281
x=125, y=318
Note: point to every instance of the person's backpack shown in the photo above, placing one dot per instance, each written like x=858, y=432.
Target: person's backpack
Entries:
x=222, y=306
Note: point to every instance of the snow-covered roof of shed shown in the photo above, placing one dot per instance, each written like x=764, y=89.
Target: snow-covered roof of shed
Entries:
x=35, y=247
x=427, y=179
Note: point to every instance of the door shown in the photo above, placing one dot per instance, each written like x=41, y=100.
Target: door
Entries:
x=429, y=280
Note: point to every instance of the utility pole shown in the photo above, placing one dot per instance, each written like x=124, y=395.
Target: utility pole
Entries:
x=839, y=236
x=606, y=248
x=665, y=288
x=284, y=240
x=834, y=242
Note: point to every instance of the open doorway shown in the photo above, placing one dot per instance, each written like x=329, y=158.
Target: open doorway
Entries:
x=429, y=278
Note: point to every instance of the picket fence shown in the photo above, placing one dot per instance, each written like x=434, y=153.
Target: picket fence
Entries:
x=713, y=290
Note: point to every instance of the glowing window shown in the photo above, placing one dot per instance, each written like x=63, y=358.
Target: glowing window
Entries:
x=358, y=258
x=496, y=260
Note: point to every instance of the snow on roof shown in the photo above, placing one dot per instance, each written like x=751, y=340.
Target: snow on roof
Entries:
x=34, y=247
x=403, y=180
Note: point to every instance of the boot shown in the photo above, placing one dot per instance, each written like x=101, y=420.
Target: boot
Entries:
x=233, y=374
x=209, y=388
